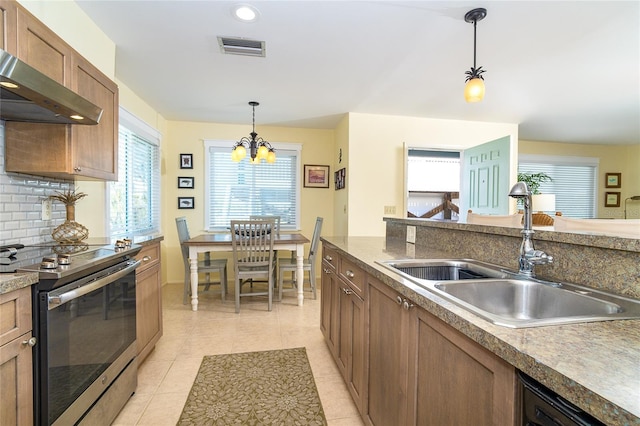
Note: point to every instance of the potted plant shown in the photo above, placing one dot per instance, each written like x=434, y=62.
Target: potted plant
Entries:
x=533, y=180
x=540, y=202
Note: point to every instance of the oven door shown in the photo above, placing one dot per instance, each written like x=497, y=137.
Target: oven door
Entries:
x=86, y=337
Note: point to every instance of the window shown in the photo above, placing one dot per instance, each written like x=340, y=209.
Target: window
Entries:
x=432, y=176
x=134, y=199
x=238, y=190
x=574, y=182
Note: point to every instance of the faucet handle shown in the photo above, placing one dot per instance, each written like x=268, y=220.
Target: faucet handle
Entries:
x=538, y=257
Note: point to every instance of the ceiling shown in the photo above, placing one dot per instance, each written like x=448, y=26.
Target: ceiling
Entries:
x=566, y=71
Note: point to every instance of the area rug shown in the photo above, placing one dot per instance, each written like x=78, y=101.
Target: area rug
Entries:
x=254, y=388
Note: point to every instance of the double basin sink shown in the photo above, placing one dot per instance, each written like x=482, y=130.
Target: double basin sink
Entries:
x=505, y=298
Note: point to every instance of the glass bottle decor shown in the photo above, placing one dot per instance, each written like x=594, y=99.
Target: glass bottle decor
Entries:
x=70, y=232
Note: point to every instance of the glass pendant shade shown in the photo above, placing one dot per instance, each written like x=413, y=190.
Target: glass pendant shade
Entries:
x=271, y=156
x=262, y=152
x=474, y=90
x=238, y=153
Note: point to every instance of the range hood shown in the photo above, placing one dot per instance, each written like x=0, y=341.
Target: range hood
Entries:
x=28, y=95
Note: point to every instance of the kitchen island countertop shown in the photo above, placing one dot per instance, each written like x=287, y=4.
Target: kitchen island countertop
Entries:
x=593, y=365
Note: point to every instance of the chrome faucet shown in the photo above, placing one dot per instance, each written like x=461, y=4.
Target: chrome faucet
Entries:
x=529, y=256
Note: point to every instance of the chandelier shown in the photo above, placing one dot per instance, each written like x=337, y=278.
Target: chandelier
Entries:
x=474, y=89
x=259, y=149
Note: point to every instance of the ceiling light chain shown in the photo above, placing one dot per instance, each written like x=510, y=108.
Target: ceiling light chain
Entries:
x=259, y=149
x=474, y=89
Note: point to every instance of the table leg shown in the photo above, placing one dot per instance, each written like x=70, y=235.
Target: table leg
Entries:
x=193, y=260
x=300, y=273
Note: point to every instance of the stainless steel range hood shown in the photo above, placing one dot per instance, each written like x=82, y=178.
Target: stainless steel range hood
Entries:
x=28, y=95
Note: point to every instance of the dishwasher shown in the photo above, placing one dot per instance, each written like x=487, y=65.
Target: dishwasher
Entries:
x=543, y=407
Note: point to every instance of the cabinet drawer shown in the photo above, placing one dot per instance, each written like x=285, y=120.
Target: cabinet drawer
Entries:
x=149, y=256
x=15, y=314
x=352, y=274
x=329, y=257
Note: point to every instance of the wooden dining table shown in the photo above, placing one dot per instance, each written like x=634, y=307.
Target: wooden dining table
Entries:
x=222, y=242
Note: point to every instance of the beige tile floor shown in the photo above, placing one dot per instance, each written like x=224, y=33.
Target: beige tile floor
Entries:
x=166, y=376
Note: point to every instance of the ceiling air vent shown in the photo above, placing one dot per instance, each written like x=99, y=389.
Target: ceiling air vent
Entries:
x=241, y=46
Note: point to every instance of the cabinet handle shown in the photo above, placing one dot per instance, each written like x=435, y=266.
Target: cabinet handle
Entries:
x=347, y=291
x=31, y=342
x=406, y=305
x=329, y=258
x=349, y=274
x=399, y=300
x=146, y=258
x=77, y=169
x=326, y=271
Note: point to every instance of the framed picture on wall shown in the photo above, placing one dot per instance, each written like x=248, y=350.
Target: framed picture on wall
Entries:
x=185, y=182
x=612, y=199
x=613, y=180
x=340, y=177
x=185, y=202
x=186, y=161
x=316, y=176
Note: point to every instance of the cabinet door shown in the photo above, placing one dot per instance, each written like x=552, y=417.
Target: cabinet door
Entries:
x=8, y=26
x=95, y=148
x=458, y=381
x=329, y=307
x=148, y=310
x=388, y=356
x=16, y=404
x=352, y=343
x=41, y=48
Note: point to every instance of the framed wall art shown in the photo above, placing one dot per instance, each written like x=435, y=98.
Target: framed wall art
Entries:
x=613, y=180
x=316, y=176
x=185, y=182
x=612, y=199
x=340, y=177
x=185, y=203
x=186, y=161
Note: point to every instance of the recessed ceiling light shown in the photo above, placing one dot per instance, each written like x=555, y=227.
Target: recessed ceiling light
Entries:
x=245, y=13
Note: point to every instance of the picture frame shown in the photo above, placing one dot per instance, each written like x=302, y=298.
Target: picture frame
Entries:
x=186, y=202
x=186, y=161
x=613, y=180
x=612, y=199
x=316, y=176
x=186, y=182
x=340, y=178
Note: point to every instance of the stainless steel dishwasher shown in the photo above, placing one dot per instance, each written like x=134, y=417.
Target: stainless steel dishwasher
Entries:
x=543, y=407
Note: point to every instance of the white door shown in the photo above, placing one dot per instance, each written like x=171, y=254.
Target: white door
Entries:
x=485, y=178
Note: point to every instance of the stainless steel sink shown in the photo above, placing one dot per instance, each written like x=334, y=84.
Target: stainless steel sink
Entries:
x=503, y=298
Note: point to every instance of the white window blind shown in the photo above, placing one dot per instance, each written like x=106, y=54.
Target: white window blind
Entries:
x=134, y=199
x=239, y=190
x=574, y=182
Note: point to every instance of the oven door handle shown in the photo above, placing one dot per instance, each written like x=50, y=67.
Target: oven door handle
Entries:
x=56, y=301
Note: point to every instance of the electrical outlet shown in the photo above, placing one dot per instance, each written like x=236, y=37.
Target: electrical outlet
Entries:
x=389, y=209
x=46, y=209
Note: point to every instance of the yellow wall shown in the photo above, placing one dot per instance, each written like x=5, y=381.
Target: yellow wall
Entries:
x=375, y=172
x=188, y=137
x=623, y=159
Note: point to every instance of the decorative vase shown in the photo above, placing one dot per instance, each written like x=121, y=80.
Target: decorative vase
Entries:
x=70, y=232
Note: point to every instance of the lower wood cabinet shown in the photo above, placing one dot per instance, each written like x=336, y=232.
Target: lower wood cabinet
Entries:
x=148, y=300
x=16, y=358
x=403, y=365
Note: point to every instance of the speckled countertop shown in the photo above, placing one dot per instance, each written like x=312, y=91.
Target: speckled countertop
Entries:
x=593, y=365
x=11, y=282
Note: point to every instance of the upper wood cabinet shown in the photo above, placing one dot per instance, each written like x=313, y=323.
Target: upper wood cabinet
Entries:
x=58, y=150
x=8, y=11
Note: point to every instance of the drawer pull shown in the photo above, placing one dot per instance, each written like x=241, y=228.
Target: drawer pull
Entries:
x=146, y=258
x=31, y=342
x=406, y=305
x=349, y=274
x=347, y=291
x=326, y=271
x=328, y=258
x=399, y=300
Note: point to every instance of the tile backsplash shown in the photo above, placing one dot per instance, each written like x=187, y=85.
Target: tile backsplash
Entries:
x=21, y=199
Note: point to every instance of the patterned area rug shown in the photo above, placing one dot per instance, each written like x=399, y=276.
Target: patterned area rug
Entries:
x=254, y=388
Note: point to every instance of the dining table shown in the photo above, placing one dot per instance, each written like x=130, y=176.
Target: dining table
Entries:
x=221, y=242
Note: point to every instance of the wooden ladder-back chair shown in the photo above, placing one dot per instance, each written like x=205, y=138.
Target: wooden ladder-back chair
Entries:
x=253, y=256
x=206, y=266
x=309, y=264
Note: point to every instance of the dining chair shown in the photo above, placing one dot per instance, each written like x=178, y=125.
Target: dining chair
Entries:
x=276, y=220
x=206, y=266
x=308, y=265
x=253, y=257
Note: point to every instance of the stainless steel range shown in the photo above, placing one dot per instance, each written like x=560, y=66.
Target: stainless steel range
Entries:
x=84, y=320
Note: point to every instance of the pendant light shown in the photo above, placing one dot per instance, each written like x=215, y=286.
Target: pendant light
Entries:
x=474, y=89
x=259, y=149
